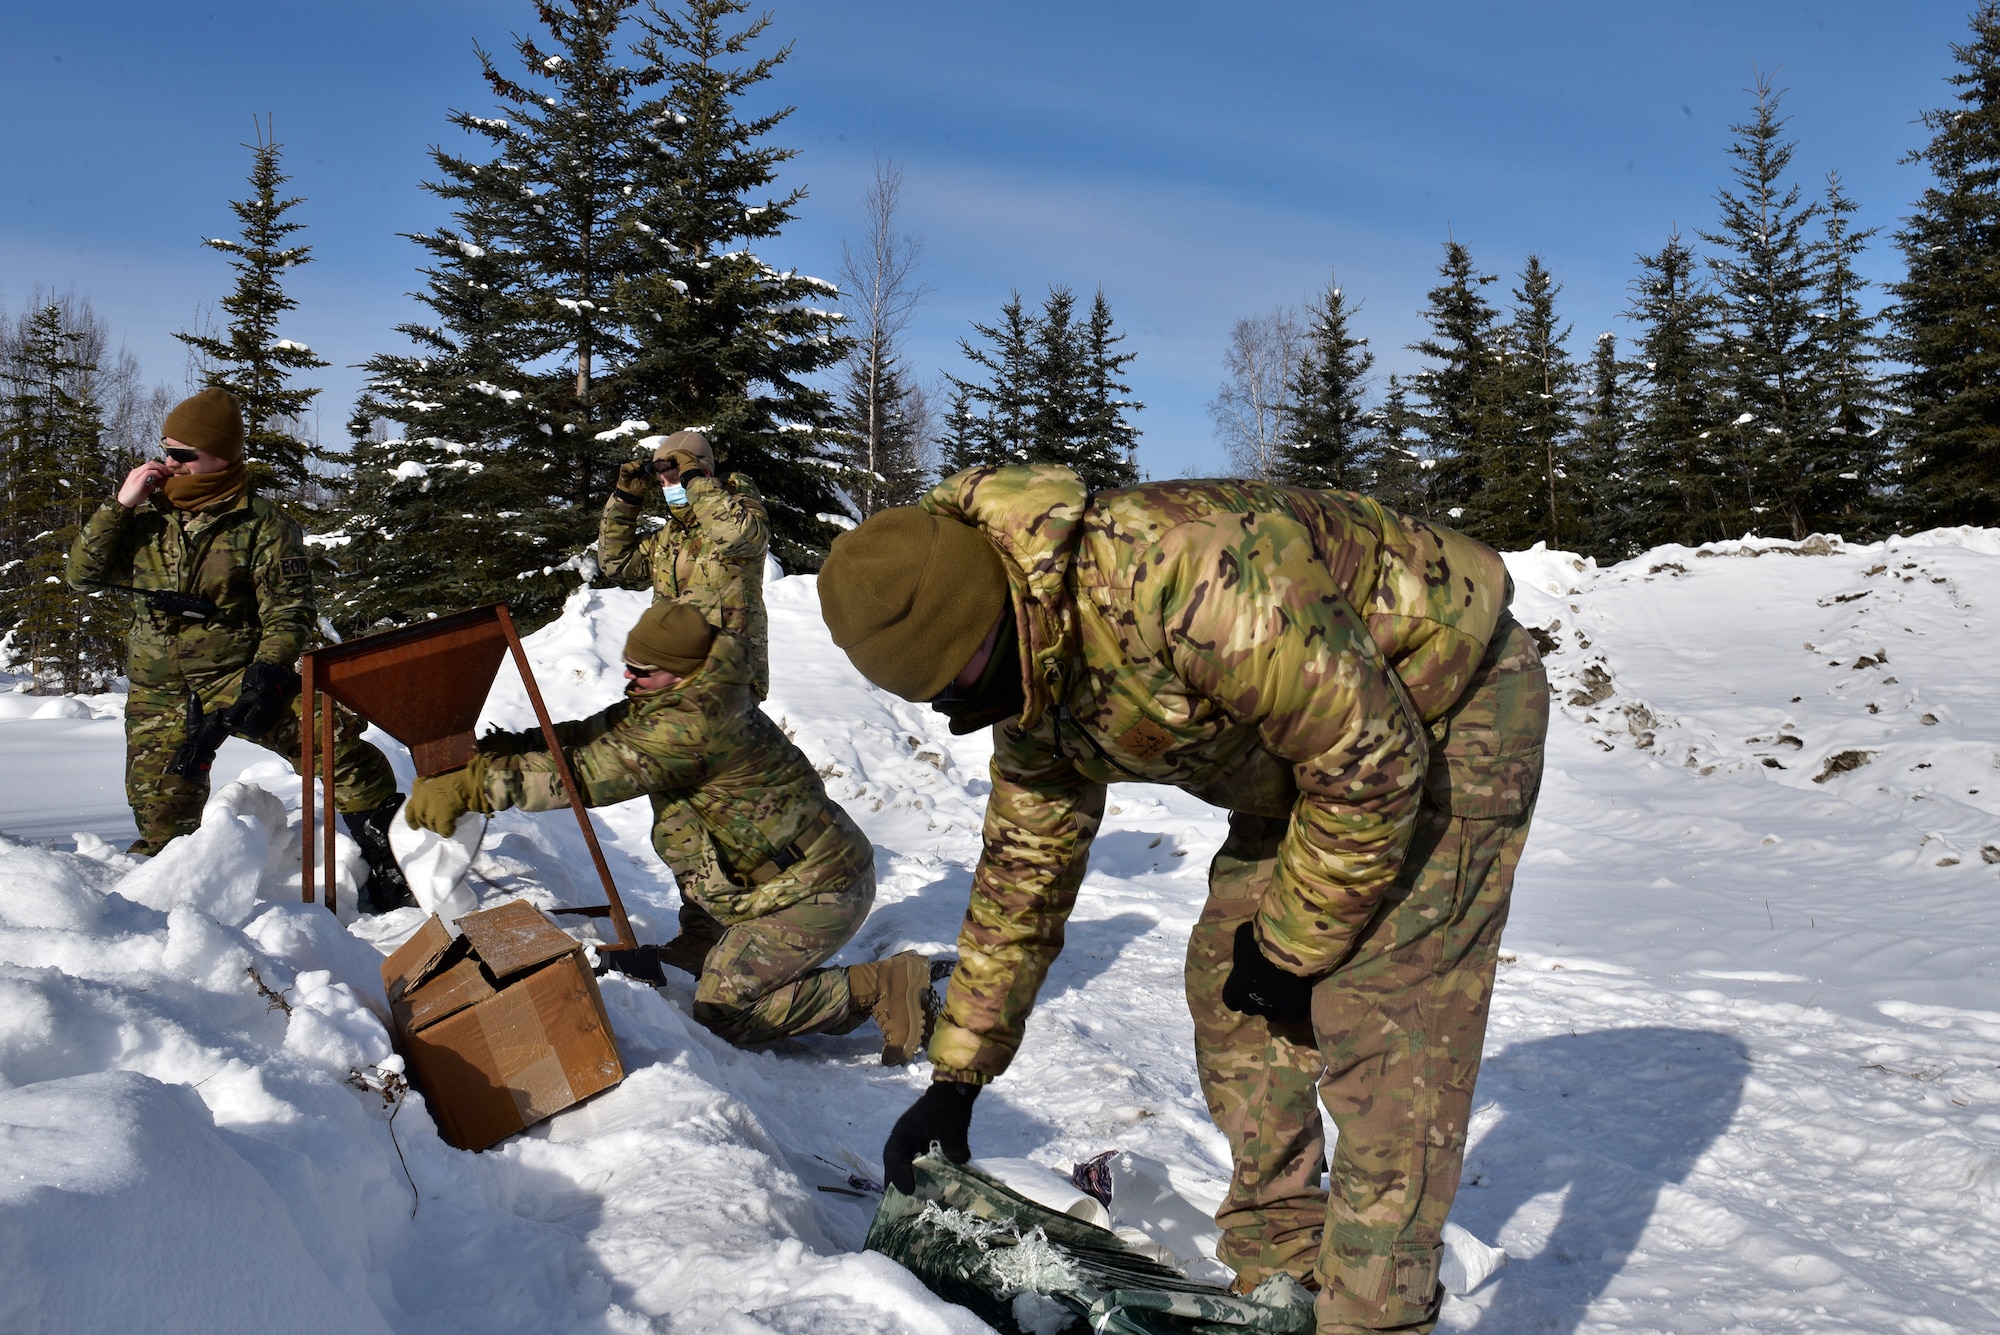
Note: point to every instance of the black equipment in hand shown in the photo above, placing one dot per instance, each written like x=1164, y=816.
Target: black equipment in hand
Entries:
x=689, y=467
x=166, y=601
x=267, y=688
x=1258, y=987
x=205, y=735
x=942, y=1117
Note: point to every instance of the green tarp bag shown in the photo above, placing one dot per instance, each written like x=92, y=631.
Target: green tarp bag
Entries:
x=1027, y=1270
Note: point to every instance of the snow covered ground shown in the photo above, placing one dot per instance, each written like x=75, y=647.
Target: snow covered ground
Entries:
x=1743, y=1074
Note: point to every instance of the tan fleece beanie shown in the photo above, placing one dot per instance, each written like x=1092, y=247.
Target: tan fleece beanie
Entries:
x=209, y=421
x=671, y=636
x=910, y=597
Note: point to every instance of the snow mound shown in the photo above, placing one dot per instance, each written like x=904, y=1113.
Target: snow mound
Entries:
x=1741, y=1068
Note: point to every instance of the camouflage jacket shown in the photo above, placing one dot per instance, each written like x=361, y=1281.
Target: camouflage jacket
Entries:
x=730, y=792
x=1267, y=648
x=709, y=555
x=249, y=558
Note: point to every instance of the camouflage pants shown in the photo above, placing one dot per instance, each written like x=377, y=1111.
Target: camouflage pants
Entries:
x=1393, y=1045
x=763, y=980
x=165, y=806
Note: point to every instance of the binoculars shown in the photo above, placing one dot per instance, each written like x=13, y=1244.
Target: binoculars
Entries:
x=654, y=467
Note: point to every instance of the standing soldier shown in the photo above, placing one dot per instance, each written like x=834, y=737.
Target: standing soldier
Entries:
x=192, y=525
x=1348, y=683
x=709, y=555
x=779, y=866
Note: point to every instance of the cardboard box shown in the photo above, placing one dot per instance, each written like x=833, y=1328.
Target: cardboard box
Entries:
x=501, y=1027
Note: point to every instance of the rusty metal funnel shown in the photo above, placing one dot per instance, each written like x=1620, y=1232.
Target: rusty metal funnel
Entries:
x=424, y=685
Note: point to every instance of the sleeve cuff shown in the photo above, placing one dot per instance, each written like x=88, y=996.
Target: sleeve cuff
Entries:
x=947, y=1075
x=961, y=1055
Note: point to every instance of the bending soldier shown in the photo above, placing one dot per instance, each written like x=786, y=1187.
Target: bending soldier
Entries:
x=782, y=869
x=192, y=524
x=1348, y=683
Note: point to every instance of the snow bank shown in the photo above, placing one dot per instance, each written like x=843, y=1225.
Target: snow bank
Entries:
x=127, y=1209
x=1741, y=1071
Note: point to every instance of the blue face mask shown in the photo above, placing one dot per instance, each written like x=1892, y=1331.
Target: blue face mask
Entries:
x=675, y=495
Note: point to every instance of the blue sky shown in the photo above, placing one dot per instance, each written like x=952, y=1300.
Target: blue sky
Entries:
x=1200, y=162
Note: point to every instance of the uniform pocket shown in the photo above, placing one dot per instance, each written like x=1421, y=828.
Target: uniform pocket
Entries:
x=1416, y=1281
x=1484, y=786
x=1488, y=763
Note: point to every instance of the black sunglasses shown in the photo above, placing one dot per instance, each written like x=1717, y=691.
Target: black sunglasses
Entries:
x=636, y=670
x=181, y=456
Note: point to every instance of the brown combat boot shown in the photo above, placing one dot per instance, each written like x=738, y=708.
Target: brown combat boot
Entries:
x=895, y=992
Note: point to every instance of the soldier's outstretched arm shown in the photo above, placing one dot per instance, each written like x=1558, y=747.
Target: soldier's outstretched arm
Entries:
x=1040, y=820
x=625, y=758
x=1254, y=622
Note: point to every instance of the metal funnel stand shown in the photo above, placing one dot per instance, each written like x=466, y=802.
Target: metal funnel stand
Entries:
x=424, y=685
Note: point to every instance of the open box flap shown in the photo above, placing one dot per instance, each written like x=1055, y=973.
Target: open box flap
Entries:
x=416, y=959
x=446, y=992
x=514, y=937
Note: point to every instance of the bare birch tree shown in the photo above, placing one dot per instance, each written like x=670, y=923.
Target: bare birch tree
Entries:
x=1253, y=406
x=880, y=290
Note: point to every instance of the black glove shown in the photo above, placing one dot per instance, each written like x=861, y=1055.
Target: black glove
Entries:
x=267, y=687
x=1258, y=987
x=500, y=742
x=943, y=1115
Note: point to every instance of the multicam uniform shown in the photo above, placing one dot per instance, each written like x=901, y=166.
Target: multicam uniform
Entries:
x=250, y=560
x=779, y=865
x=1348, y=683
x=709, y=555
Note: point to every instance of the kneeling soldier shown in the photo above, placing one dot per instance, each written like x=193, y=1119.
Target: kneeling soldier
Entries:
x=742, y=819
x=191, y=528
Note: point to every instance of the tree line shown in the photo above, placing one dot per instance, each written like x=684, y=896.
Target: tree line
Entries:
x=597, y=284
x=1757, y=393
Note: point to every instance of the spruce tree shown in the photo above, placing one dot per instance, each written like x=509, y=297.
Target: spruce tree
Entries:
x=1000, y=429
x=1765, y=272
x=1401, y=473
x=451, y=512
x=1850, y=450
x=1531, y=488
x=50, y=455
x=1677, y=465
x=886, y=420
x=492, y=485
x=249, y=359
x=555, y=204
x=1059, y=372
x=722, y=341
x=1943, y=328
x=1458, y=391
x=964, y=442
x=1599, y=478
x=1326, y=438
x=1108, y=443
